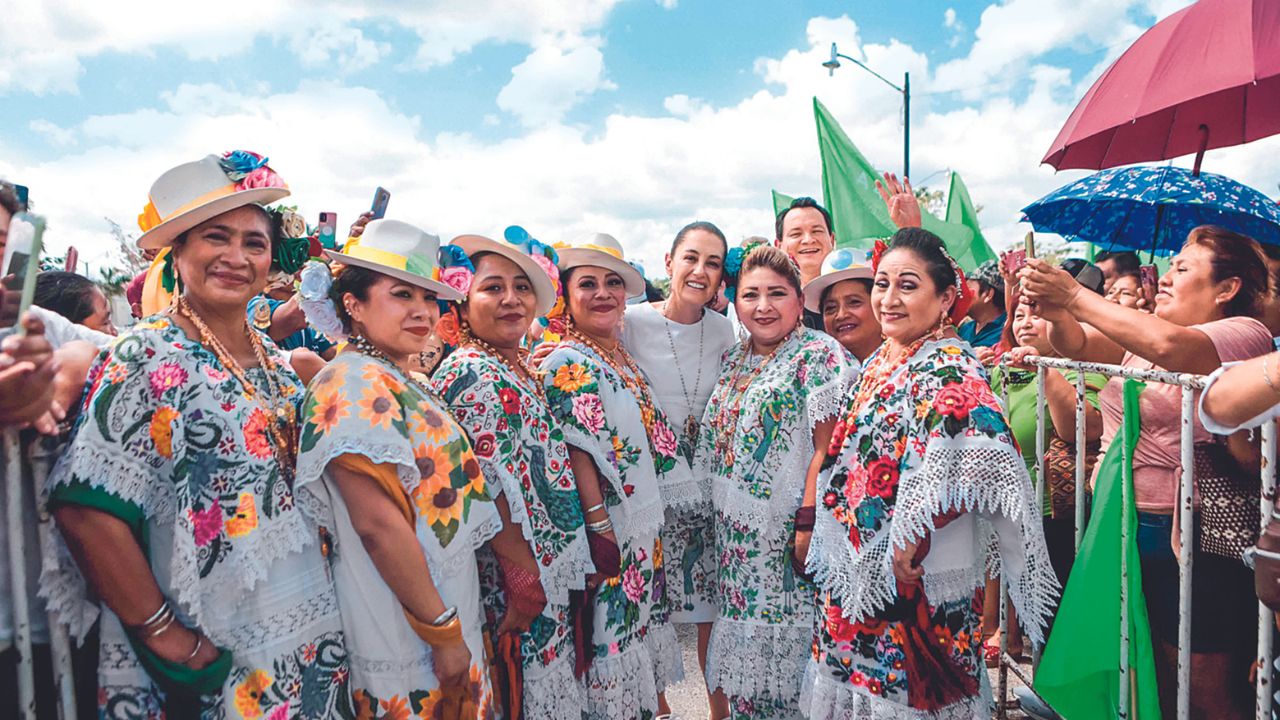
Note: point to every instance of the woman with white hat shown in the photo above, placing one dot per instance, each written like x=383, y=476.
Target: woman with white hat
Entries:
x=841, y=294
x=500, y=404
x=678, y=343
x=175, y=495
x=764, y=435
x=619, y=440
x=391, y=478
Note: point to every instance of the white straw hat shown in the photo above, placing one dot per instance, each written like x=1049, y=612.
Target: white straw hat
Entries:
x=840, y=265
x=400, y=250
x=191, y=193
x=600, y=250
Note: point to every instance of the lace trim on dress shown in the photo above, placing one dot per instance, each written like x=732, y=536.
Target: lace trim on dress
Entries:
x=444, y=563
x=65, y=591
x=570, y=568
x=823, y=698
x=751, y=659
x=631, y=522
x=552, y=692
x=971, y=474
x=622, y=685
x=668, y=659
x=683, y=491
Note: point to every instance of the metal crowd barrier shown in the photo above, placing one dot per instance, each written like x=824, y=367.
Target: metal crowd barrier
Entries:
x=15, y=476
x=1189, y=384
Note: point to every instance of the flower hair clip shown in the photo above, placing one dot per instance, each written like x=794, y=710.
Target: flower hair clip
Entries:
x=317, y=306
x=249, y=170
x=456, y=269
x=733, y=267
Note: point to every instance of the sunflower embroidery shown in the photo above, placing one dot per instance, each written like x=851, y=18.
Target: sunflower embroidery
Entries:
x=438, y=502
x=249, y=694
x=329, y=409
x=379, y=407
x=378, y=376
x=431, y=425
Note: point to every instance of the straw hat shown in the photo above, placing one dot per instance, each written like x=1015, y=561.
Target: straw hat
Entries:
x=194, y=192
x=840, y=265
x=600, y=250
x=543, y=288
x=400, y=250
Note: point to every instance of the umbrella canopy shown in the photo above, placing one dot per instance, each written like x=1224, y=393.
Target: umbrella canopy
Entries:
x=1153, y=208
x=1215, y=63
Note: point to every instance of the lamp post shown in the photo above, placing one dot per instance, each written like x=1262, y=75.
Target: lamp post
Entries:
x=905, y=90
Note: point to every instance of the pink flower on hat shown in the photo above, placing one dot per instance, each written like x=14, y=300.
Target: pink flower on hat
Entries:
x=458, y=278
x=263, y=177
x=550, y=269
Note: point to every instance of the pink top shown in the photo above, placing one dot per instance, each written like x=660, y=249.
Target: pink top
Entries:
x=1157, y=462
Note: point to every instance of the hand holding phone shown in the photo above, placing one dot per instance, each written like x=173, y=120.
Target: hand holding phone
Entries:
x=1029, y=245
x=1149, y=277
x=20, y=265
x=1014, y=260
x=381, y=197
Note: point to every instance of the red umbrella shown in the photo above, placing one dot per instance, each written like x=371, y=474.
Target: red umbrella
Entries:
x=1207, y=76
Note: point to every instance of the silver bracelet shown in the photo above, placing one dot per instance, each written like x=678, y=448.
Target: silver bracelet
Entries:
x=445, y=617
x=592, y=509
x=199, y=644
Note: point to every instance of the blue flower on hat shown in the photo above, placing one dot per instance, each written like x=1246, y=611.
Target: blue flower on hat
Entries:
x=454, y=256
x=239, y=163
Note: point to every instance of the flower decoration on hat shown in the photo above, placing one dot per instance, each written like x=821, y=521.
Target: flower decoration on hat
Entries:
x=546, y=258
x=456, y=269
x=877, y=252
x=249, y=170
x=292, y=248
x=733, y=267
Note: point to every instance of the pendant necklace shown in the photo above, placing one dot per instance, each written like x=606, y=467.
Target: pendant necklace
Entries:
x=690, y=422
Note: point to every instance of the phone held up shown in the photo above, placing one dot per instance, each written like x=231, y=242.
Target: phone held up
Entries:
x=381, y=197
x=328, y=230
x=21, y=264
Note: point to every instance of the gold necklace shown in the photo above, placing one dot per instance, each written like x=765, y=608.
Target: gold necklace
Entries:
x=361, y=344
x=520, y=369
x=725, y=422
x=879, y=370
x=282, y=415
x=630, y=373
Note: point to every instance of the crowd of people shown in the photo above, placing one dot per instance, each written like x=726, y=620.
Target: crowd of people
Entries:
x=488, y=477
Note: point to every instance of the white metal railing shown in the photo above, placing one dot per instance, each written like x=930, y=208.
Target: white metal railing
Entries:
x=17, y=508
x=1189, y=384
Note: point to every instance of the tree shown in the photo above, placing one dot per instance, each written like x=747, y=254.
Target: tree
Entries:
x=123, y=264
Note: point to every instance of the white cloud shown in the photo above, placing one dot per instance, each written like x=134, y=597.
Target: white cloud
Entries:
x=949, y=17
x=551, y=81
x=47, y=41
x=57, y=136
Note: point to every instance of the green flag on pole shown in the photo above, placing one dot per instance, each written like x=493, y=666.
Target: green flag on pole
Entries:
x=780, y=202
x=961, y=211
x=1079, y=672
x=859, y=214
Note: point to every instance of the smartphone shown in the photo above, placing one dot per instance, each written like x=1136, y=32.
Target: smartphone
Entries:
x=1029, y=244
x=381, y=197
x=328, y=230
x=24, y=195
x=1150, y=278
x=73, y=259
x=1015, y=260
x=21, y=264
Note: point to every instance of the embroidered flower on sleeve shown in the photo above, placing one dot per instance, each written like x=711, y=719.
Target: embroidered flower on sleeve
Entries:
x=162, y=430
x=953, y=401
x=571, y=378
x=249, y=694
x=245, y=519
x=165, y=377
x=329, y=409
x=589, y=412
x=379, y=407
x=207, y=524
x=256, y=440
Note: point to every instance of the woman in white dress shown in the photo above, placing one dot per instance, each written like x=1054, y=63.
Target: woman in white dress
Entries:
x=678, y=343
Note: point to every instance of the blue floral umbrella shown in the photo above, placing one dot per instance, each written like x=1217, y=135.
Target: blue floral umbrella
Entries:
x=1153, y=208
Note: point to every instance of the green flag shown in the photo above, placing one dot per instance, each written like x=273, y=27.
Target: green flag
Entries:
x=858, y=212
x=780, y=202
x=961, y=211
x=1079, y=672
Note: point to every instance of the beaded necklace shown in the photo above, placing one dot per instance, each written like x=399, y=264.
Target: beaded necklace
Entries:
x=880, y=370
x=361, y=344
x=282, y=415
x=519, y=369
x=630, y=373
x=724, y=424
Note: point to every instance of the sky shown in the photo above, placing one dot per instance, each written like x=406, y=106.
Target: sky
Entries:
x=631, y=117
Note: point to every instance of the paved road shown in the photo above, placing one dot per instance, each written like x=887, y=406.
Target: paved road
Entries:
x=688, y=699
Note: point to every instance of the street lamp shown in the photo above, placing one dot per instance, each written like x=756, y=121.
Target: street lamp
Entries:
x=834, y=63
